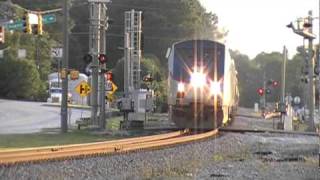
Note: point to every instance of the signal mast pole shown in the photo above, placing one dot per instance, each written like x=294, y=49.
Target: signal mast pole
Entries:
x=65, y=64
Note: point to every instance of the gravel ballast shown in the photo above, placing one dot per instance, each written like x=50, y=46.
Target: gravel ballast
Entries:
x=230, y=156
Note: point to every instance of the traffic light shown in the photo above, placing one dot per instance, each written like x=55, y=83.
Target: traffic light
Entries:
x=2, y=37
x=102, y=58
x=260, y=91
x=109, y=76
x=26, y=24
x=37, y=28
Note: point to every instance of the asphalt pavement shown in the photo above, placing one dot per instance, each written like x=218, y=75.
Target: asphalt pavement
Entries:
x=19, y=117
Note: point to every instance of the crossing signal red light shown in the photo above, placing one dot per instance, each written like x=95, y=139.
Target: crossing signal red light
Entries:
x=102, y=58
x=275, y=83
x=260, y=91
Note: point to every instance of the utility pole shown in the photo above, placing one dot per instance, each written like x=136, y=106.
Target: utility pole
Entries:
x=65, y=65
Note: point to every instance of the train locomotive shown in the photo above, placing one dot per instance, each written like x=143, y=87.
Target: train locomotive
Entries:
x=202, y=84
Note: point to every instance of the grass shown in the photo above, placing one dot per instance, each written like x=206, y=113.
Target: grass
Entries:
x=45, y=139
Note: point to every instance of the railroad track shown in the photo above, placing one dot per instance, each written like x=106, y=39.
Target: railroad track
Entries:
x=242, y=130
x=8, y=157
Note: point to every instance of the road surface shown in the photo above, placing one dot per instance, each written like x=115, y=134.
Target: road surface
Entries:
x=17, y=117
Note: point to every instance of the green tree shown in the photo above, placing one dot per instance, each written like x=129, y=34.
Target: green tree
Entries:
x=19, y=79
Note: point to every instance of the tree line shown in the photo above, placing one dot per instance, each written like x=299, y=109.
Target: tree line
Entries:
x=164, y=23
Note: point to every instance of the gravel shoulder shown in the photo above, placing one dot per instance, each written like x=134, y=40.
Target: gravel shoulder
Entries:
x=229, y=156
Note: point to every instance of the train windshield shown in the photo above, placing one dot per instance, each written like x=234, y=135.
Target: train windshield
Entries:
x=190, y=54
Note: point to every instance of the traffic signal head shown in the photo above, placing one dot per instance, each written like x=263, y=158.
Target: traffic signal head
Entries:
x=2, y=38
x=26, y=24
x=109, y=76
x=260, y=91
x=102, y=58
x=40, y=25
x=37, y=28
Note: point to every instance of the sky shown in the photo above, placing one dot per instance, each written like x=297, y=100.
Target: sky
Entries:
x=257, y=26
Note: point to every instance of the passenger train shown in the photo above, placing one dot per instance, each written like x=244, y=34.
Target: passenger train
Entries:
x=202, y=84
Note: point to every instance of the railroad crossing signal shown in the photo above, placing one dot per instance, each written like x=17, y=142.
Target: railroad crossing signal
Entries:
x=83, y=89
x=2, y=36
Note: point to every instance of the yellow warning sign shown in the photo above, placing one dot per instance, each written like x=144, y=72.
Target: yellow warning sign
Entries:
x=83, y=89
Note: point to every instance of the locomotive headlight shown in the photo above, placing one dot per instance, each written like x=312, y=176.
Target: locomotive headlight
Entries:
x=181, y=87
x=198, y=79
x=215, y=88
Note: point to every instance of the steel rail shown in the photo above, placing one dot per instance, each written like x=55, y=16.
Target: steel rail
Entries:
x=242, y=130
x=107, y=147
x=51, y=149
